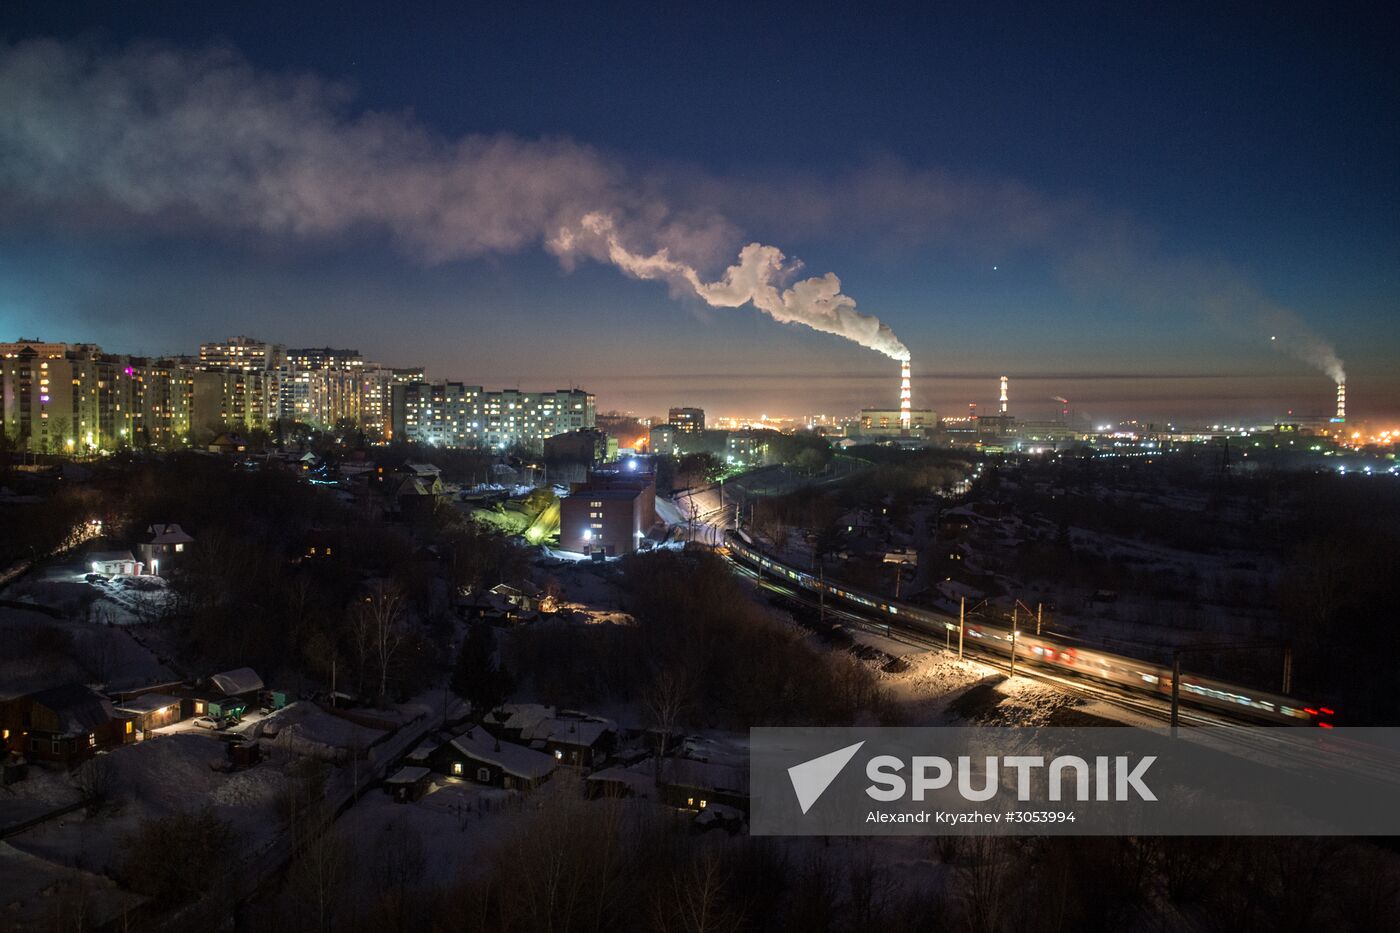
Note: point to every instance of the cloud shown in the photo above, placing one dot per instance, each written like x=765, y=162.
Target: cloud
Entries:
x=168, y=136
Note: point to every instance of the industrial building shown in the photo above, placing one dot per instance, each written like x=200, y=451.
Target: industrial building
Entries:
x=890, y=422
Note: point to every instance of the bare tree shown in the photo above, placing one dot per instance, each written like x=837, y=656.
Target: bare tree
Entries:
x=665, y=700
x=983, y=882
x=95, y=779
x=318, y=877
x=695, y=901
x=401, y=862
x=380, y=629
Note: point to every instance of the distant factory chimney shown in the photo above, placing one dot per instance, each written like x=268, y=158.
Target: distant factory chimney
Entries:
x=1004, y=398
x=1341, y=401
x=905, y=397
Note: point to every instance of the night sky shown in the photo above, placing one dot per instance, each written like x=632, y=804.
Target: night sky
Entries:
x=1119, y=206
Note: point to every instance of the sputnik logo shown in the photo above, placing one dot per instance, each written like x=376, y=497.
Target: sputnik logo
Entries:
x=811, y=778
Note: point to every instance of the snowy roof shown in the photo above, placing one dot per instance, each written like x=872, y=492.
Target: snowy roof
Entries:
x=636, y=778
x=704, y=775
x=147, y=703
x=513, y=759
x=103, y=557
x=567, y=731
x=955, y=590
x=423, y=751
x=79, y=708
x=409, y=775
x=521, y=716
x=414, y=486
x=421, y=469
x=623, y=494
x=239, y=680
x=168, y=534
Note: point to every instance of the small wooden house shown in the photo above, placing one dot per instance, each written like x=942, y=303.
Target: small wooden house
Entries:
x=65, y=724
x=408, y=784
x=575, y=740
x=150, y=711
x=696, y=785
x=477, y=756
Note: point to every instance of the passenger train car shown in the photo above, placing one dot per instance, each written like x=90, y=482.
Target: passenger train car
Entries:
x=1044, y=651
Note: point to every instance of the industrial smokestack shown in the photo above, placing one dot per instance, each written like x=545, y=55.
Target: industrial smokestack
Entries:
x=905, y=398
x=1341, y=401
x=1004, y=398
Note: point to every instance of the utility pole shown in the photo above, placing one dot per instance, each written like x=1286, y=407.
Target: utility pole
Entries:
x=962, y=623
x=898, y=572
x=1287, y=670
x=1038, y=608
x=1013, y=641
x=821, y=597
x=1176, y=691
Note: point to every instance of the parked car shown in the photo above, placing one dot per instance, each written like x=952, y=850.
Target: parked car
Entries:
x=209, y=722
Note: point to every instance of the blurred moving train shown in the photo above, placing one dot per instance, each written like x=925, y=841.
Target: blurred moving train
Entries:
x=1045, y=651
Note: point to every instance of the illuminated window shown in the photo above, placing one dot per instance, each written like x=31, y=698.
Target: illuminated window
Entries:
x=92, y=740
x=456, y=767
x=179, y=547
x=128, y=727
x=702, y=804
x=690, y=801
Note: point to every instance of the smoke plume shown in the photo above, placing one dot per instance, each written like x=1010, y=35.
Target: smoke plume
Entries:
x=169, y=135
x=201, y=139
x=1291, y=336
x=756, y=279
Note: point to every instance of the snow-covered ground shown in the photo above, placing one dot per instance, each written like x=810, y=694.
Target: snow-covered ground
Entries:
x=156, y=778
x=42, y=652
x=38, y=895
x=115, y=600
x=458, y=823
x=939, y=689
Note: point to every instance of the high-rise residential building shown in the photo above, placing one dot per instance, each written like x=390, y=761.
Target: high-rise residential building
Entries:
x=453, y=414
x=254, y=401
x=325, y=358
x=321, y=397
x=376, y=399
x=687, y=420
x=56, y=398
x=243, y=353
x=239, y=400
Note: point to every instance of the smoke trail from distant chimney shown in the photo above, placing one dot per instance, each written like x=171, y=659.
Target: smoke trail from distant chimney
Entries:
x=1291, y=336
x=755, y=279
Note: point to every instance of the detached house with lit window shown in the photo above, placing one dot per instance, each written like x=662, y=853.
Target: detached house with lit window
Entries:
x=477, y=756
x=166, y=545
x=64, y=724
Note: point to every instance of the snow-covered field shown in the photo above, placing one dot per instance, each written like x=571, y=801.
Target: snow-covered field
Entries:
x=43, y=651
x=156, y=778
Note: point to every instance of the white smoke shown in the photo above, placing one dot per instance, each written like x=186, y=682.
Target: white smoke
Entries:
x=1289, y=335
x=815, y=302
x=169, y=135
x=180, y=138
